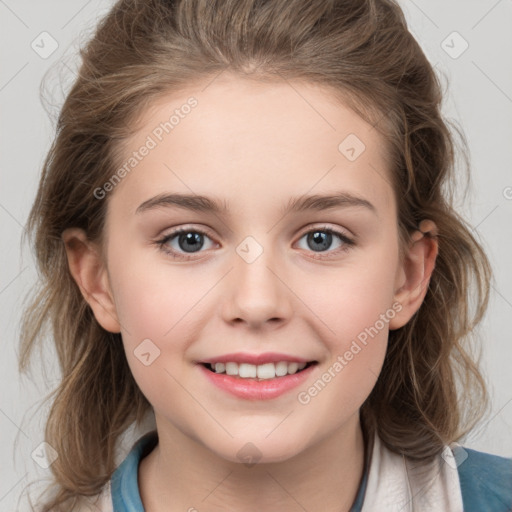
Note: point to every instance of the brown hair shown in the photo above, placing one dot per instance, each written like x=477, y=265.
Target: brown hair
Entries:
x=430, y=391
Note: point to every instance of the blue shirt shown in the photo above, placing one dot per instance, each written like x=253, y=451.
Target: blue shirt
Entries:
x=485, y=479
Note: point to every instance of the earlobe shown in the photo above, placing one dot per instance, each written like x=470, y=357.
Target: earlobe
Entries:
x=90, y=274
x=415, y=273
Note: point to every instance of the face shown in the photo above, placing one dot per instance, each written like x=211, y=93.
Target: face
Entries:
x=254, y=275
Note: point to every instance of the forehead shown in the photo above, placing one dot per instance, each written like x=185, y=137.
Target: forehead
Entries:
x=254, y=143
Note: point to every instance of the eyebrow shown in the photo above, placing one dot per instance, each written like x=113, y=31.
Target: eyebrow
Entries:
x=298, y=204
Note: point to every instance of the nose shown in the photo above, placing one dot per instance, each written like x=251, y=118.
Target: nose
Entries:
x=257, y=293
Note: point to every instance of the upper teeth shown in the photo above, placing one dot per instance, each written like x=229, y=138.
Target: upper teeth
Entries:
x=262, y=371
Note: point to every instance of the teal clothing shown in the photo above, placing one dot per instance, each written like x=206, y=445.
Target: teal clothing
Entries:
x=485, y=480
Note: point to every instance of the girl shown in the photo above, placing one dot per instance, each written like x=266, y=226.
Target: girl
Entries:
x=310, y=352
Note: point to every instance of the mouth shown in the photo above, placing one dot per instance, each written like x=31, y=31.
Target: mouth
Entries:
x=266, y=371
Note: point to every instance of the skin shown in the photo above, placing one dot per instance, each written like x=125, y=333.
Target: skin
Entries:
x=253, y=145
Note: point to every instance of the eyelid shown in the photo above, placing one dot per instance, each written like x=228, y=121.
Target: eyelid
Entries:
x=207, y=231
x=327, y=227
x=187, y=227
x=163, y=239
x=347, y=240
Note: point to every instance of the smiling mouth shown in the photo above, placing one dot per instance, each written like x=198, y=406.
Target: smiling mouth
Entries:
x=258, y=372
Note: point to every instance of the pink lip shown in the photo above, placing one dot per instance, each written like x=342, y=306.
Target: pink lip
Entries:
x=256, y=359
x=252, y=389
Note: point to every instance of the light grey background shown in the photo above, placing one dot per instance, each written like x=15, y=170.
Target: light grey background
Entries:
x=479, y=97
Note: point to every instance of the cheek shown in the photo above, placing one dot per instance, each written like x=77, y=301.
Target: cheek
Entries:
x=152, y=300
x=357, y=297
x=356, y=341
x=155, y=313
x=161, y=309
x=356, y=308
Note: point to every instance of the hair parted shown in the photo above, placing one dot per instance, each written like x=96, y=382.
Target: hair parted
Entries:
x=430, y=391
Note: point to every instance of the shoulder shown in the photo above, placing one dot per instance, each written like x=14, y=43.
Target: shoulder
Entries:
x=485, y=480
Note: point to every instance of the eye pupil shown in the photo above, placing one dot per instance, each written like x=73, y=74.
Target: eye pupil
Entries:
x=196, y=239
x=321, y=237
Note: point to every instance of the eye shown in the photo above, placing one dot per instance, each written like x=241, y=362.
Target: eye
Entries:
x=321, y=239
x=183, y=241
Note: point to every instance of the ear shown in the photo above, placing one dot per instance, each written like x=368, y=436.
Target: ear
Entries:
x=414, y=273
x=90, y=273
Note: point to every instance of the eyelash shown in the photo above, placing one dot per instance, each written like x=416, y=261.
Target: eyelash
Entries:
x=348, y=243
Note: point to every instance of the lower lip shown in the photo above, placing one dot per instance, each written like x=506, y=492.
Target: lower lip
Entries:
x=252, y=389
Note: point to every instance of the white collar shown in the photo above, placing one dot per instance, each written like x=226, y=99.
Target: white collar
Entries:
x=395, y=484
x=399, y=484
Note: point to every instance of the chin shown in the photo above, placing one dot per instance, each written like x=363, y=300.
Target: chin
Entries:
x=255, y=450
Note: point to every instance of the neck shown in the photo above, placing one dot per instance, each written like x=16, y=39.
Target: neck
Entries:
x=325, y=477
